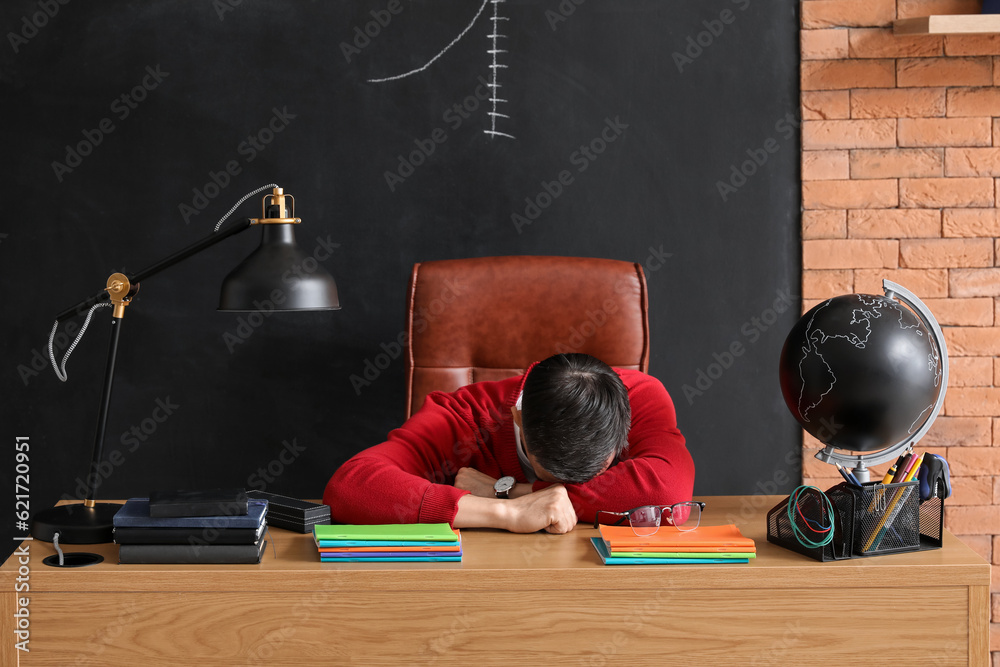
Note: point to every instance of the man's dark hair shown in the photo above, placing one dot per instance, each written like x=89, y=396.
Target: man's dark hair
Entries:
x=575, y=414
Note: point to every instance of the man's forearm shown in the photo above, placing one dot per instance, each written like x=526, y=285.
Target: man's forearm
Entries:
x=476, y=512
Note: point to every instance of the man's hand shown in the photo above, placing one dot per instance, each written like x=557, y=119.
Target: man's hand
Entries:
x=478, y=483
x=549, y=509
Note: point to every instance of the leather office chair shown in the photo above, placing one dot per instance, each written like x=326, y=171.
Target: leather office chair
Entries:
x=470, y=320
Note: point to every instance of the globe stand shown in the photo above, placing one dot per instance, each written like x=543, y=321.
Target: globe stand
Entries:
x=859, y=462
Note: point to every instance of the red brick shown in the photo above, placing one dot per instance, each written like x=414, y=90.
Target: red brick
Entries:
x=972, y=519
x=848, y=254
x=851, y=194
x=981, y=544
x=974, y=282
x=915, y=8
x=959, y=431
x=892, y=223
x=996, y=250
x=973, y=342
x=996, y=321
x=971, y=312
x=995, y=617
x=823, y=44
x=996, y=70
x=828, y=284
x=973, y=102
x=916, y=72
x=945, y=131
x=945, y=253
x=847, y=13
x=879, y=133
x=898, y=103
x=973, y=402
x=974, y=461
x=824, y=224
x=925, y=283
x=944, y=192
x=897, y=162
x=825, y=165
x=972, y=222
x=826, y=104
x=970, y=372
x=882, y=43
x=849, y=74
x=972, y=491
x=972, y=45
x=972, y=162
x=996, y=377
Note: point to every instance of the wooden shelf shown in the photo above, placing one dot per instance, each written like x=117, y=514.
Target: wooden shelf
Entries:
x=954, y=24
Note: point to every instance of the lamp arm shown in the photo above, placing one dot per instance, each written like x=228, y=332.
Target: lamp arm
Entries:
x=179, y=256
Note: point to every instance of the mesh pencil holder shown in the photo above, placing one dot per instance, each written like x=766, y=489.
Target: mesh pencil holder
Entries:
x=871, y=520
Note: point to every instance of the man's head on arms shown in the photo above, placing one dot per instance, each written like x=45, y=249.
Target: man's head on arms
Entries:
x=575, y=417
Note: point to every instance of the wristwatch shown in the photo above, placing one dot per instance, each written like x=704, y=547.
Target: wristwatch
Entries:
x=503, y=486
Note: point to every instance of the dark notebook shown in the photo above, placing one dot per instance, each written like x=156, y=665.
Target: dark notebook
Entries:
x=209, y=502
x=135, y=514
x=137, y=554
x=188, y=535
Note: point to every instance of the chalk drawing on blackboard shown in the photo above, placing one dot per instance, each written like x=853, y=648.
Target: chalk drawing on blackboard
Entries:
x=494, y=51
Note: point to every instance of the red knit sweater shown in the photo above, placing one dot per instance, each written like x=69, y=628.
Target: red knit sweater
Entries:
x=408, y=478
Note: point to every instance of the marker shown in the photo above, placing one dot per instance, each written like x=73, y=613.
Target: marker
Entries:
x=901, y=468
x=915, y=469
x=889, y=474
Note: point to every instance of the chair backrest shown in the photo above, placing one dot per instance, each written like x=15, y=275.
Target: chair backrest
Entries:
x=489, y=318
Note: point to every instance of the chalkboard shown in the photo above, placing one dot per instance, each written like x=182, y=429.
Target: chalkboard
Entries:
x=659, y=132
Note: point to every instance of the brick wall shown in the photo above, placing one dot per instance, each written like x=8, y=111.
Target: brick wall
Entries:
x=901, y=180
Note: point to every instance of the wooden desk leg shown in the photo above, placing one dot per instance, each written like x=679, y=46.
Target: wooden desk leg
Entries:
x=7, y=638
x=979, y=626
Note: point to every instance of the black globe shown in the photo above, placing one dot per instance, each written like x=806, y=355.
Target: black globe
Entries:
x=860, y=372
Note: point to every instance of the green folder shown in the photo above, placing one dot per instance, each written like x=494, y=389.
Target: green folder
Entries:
x=402, y=532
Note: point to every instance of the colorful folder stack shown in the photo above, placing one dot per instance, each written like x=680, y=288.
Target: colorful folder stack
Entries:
x=619, y=545
x=388, y=543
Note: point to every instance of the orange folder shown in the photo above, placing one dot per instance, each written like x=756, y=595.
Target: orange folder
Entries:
x=670, y=539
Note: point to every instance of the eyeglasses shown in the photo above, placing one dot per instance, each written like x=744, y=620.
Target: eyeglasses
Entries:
x=645, y=520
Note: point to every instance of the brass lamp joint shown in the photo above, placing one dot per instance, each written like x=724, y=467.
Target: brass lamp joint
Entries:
x=277, y=198
x=121, y=291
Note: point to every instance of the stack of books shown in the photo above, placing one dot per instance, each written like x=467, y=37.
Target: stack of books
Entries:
x=389, y=543
x=619, y=545
x=292, y=513
x=221, y=538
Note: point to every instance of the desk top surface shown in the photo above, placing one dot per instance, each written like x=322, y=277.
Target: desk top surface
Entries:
x=493, y=558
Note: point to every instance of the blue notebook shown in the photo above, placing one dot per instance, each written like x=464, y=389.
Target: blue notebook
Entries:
x=605, y=554
x=135, y=514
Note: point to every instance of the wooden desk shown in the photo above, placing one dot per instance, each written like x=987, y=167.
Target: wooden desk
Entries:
x=521, y=599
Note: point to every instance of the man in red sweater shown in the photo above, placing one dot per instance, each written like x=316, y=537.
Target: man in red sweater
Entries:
x=576, y=436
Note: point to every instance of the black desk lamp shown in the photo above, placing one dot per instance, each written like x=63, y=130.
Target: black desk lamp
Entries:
x=253, y=282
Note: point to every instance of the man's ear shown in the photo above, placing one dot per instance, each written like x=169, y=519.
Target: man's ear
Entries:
x=517, y=416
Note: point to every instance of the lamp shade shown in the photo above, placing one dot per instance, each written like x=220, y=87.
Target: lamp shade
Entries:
x=279, y=275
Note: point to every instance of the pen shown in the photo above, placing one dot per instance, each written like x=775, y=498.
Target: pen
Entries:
x=901, y=467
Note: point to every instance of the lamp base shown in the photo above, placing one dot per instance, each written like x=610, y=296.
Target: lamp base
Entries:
x=76, y=524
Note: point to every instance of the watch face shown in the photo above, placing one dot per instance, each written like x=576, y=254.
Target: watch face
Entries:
x=504, y=484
